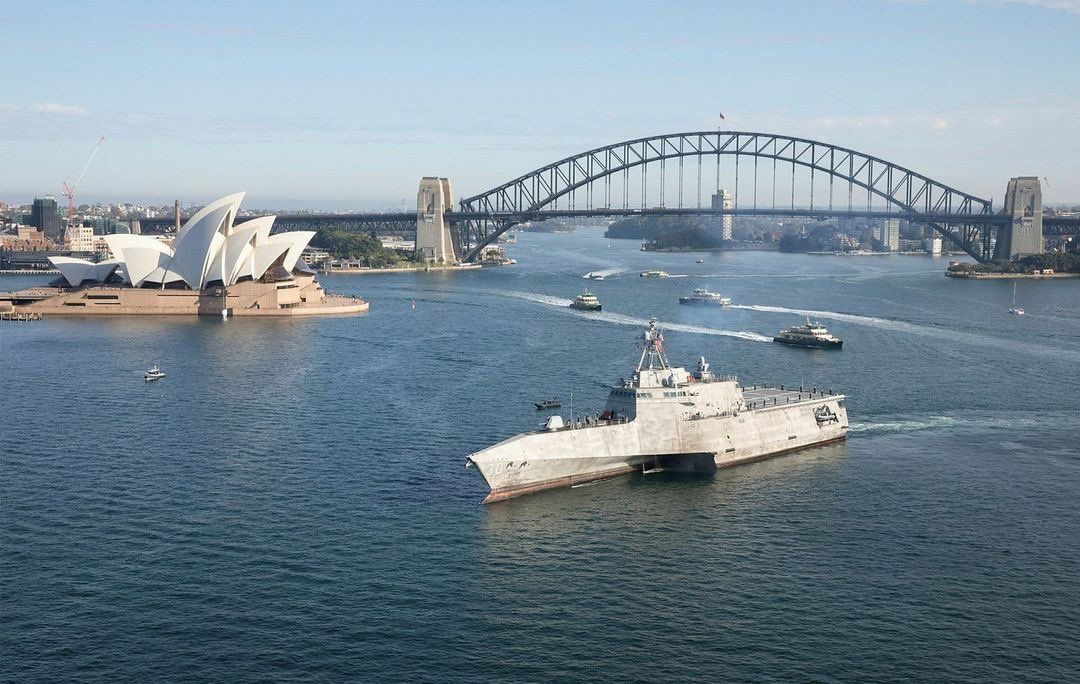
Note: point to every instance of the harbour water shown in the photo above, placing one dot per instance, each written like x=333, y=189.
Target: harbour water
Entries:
x=291, y=502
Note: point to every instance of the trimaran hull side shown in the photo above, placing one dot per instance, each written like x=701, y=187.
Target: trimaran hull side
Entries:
x=542, y=460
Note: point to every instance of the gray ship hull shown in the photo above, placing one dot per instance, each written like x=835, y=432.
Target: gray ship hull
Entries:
x=536, y=461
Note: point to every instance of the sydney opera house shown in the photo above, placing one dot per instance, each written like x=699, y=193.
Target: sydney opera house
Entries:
x=213, y=264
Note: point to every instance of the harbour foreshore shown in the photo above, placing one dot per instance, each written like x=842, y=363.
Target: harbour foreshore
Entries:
x=971, y=275
x=400, y=269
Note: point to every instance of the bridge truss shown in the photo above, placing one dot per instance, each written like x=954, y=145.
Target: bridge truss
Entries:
x=780, y=175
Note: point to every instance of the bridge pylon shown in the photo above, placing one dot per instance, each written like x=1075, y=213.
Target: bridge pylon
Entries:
x=434, y=242
x=1024, y=233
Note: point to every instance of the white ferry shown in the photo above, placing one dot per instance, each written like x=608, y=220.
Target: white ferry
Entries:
x=812, y=334
x=703, y=296
x=586, y=301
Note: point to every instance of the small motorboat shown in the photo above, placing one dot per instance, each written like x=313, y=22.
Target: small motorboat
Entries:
x=155, y=373
x=548, y=404
x=700, y=261
x=654, y=274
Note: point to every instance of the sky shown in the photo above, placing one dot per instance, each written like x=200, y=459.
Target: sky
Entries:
x=345, y=105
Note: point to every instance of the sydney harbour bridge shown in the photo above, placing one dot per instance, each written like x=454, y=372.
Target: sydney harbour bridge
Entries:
x=678, y=174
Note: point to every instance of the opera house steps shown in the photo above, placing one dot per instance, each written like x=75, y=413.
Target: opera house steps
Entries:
x=304, y=297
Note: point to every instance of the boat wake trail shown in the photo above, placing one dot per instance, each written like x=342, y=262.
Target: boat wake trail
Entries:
x=851, y=318
x=1009, y=422
x=914, y=329
x=897, y=426
x=538, y=298
x=621, y=319
x=606, y=273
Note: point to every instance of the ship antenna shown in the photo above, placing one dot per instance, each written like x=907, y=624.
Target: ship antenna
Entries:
x=653, y=348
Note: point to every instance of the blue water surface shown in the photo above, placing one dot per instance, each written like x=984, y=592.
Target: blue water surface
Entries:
x=291, y=502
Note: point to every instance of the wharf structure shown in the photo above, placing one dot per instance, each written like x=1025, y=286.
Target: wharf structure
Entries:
x=213, y=266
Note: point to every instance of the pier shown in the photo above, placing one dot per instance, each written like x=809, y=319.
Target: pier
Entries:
x=22, y=317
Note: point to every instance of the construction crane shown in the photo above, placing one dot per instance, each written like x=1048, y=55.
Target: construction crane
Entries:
x=69, y=190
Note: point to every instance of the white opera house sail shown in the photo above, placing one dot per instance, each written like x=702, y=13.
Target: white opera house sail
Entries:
x=213, y=263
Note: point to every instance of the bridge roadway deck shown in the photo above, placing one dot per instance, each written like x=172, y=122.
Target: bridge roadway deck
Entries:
x=392, y=221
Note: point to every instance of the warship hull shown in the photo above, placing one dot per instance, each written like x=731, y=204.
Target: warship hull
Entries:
x=777, y=422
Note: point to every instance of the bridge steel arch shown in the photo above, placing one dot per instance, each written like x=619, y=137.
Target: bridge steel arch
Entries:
x=962, y=218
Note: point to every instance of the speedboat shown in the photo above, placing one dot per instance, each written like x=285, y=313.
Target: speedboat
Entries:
x=594, y=275
x=654, y=274
x=812, y=334
x=700, y=261
x=155, y=373
x=703, y=296
x=548, y=404
x=586, y=301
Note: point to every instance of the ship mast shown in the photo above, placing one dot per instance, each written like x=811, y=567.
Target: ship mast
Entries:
x=653, y=349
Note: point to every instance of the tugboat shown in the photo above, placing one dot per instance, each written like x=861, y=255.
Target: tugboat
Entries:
x=813, y=334
x=586, y=301
x=155, y=373
x=548, y=404
x=654, y=274
x=703, y=296
x=663, y=417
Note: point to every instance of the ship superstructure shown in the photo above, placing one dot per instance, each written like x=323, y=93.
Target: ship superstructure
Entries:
x=586, y=301
x=703, y=296
x=663, y=416
x=813, y=334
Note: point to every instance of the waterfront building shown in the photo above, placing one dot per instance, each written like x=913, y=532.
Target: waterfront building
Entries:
x=213, y=266
x=25, y=239
x=890, y=235
x=79, y=238
x=45, y=216
x=724, y=200
x=315, y=256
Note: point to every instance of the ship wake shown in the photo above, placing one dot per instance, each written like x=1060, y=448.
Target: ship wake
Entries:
x=911, y=328
x=972, y=421
x=622, y=319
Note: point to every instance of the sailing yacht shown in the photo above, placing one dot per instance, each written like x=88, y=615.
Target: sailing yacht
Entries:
x=1017, y=310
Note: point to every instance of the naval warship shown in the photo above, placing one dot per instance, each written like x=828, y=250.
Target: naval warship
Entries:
x=663, y=417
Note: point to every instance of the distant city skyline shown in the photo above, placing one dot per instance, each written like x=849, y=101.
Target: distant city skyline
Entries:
x=345, y=106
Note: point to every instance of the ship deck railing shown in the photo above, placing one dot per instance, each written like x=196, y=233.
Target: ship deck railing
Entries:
x=763, y=396
x=585, y=423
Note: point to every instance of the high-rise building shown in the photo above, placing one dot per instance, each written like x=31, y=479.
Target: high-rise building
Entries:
x=890, y=235
x=724, y=200
x=45, y=216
